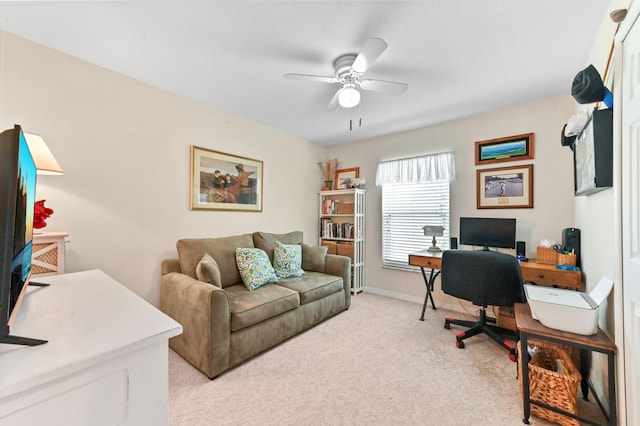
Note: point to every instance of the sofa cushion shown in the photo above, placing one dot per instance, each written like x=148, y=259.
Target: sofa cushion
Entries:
x=255, y=268
x=267, y=241
x=313, y=286
x=223, y=250
x=314, y=257
x=251, y=307
x=287, y=260
x=208, y=271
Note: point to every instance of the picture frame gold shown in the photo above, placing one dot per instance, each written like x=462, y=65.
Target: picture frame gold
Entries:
x=343, y=176
x=222, y=181
x=505, y=187
x=511, y=148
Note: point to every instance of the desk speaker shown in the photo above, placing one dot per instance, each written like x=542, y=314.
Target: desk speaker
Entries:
x=571, y=242
x=453, y=243
x=521, y=249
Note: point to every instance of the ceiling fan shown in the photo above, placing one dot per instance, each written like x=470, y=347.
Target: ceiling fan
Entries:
x=349, y=69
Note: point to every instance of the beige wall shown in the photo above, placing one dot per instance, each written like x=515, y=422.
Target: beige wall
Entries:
x=553, y=180
x=124, y=147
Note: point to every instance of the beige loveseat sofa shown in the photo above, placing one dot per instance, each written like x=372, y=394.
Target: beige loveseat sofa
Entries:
x=226, y=324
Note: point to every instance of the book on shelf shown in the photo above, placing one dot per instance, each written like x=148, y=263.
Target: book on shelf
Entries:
x=330, y=229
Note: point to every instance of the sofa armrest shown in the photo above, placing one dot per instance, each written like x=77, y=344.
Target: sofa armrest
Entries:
x=203, y=311
x=340, y=266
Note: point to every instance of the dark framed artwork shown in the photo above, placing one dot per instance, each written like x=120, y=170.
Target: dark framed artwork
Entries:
x=512, y=148
x=505, y=187
x=221, y=181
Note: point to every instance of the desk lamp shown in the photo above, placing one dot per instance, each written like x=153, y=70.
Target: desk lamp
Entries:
x=435, y=231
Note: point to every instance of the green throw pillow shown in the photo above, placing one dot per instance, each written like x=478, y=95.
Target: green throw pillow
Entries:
x=255, y=268
x=207, y=270
x=287, y=260
x=314, y=257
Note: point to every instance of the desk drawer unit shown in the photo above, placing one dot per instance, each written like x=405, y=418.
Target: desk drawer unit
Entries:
x=425, y=261
x=550, y=275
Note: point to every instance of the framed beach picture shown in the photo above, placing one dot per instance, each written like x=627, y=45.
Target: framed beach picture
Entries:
x=505, y=188
x=512, y=148
x=221, y=181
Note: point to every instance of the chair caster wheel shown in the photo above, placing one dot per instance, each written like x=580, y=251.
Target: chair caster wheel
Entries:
x=447, y=325
x=512, y=357
x=459, y=344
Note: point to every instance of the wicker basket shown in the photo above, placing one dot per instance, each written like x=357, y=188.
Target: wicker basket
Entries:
x=546, y=385
x=345, y=249
x=547, y=255
x=331, y=247
x=345, y=208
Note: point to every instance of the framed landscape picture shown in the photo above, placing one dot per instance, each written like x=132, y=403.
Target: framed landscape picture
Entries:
x=505, y=188
x=345, y=177
x=221, y=181
x=512, y=148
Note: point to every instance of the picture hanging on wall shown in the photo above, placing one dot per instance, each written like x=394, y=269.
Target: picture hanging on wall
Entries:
x=221, y=181
x=512, y=148
x=505, y=187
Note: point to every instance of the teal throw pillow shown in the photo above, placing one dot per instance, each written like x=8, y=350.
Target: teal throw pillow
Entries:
x=255, y=268
x=287, y=260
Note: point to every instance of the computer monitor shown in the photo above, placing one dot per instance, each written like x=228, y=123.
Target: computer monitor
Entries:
x=488, y=232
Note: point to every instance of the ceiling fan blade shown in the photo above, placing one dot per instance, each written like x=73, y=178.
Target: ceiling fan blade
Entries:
x=333, y=103
x=384, y=86
x=372, y=49
x=308, y=77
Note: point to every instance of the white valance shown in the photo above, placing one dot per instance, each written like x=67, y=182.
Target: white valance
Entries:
x=424, y=169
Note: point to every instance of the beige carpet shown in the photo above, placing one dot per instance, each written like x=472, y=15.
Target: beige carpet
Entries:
x=375, y=364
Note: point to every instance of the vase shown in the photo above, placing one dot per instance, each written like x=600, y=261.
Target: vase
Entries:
x=328, y=184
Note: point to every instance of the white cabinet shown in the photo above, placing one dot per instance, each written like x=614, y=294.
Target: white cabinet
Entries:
x=48, y=253
x=105, y=362
x=342, y=229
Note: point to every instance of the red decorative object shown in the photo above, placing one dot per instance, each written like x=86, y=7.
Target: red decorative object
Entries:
x=40, y=214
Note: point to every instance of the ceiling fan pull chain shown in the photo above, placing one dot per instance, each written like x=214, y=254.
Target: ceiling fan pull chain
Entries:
x=350, y=125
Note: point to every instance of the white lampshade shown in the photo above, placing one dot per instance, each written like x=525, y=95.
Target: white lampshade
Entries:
x=433, y=231
x=46, y=163
x=349, y=96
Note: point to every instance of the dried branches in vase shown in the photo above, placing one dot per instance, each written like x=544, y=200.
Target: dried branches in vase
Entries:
x=329, y=168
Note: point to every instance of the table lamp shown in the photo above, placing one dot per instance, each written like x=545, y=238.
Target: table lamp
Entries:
x=435, y=231
x=44, y=160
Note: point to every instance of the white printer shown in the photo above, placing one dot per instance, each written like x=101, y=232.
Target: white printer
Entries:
x=568, y=310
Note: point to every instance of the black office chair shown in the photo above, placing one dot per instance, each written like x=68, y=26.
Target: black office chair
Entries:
x=486, y=278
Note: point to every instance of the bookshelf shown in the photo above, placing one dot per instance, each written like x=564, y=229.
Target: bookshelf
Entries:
x=341, y=220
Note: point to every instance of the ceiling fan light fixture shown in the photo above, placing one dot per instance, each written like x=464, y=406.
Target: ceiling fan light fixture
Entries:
x=349, y=96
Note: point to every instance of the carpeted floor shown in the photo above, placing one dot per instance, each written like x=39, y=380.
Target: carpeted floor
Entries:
x=375, y=364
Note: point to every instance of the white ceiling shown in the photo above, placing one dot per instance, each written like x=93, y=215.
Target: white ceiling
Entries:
x=459, y=57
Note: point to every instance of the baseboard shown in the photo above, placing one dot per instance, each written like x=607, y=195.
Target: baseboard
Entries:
x=400, y=296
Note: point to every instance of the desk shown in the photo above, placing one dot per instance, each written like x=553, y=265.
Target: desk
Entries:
x=528, y=327
x=532, y=271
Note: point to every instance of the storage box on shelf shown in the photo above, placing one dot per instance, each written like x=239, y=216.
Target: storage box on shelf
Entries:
x=546, y=255
x=342, y=220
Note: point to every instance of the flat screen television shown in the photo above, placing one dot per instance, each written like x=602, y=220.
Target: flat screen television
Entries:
x=488, y=232
x=17, y=201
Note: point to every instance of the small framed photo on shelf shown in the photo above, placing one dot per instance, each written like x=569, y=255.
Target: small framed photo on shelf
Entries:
x=512, y=148
x=345, y=177
x=505, y=187
x=221, y=181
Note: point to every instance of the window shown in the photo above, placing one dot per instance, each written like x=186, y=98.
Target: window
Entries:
x=406, y=208
x=415, y=193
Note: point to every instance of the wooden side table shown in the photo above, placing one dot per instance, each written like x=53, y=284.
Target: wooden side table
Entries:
x=600, y=342
x=48, y=254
